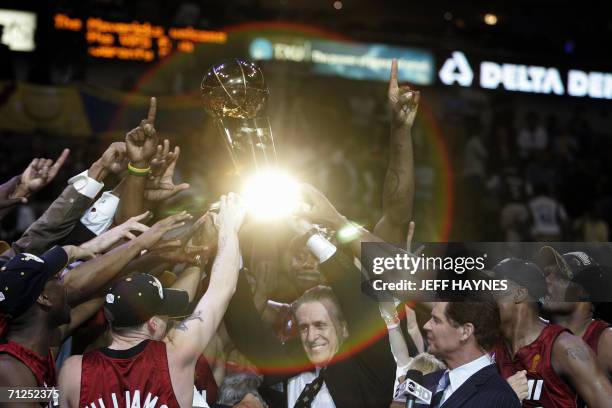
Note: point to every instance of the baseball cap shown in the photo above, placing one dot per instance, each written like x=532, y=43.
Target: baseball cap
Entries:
x=23, y=278
x=524, y=273
x=136, y=298
x=580, y=268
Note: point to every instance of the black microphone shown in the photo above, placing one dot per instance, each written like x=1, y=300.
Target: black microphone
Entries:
x=412, y=390
x=417, y=377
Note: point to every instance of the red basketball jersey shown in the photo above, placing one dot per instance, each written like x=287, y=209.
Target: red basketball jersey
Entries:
x=593, y=332
x=205, y=380
x=43, y=367
x=546, y=388
x=127, y=378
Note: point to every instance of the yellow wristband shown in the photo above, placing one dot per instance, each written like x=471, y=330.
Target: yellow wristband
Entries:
x=138, y=172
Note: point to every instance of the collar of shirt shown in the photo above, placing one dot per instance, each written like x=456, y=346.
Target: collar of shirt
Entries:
x=461, y=374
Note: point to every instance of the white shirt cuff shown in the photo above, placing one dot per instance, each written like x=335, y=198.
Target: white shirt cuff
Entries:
x=99, y=217
x=85, y=185
x=320, y=247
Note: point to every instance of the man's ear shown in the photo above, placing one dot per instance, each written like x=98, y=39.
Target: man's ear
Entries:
x=152, y=324
x=345, y=332
x=466, y=331
x=43, y=300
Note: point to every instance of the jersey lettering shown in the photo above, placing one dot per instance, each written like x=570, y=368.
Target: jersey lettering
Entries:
x=132, y=400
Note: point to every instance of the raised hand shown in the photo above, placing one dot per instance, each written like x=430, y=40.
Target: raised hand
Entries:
x=141, y=142
x=231, y=213
x=419, y=250
x=162, y=187
x=105, y=241
x=193, y=247
x=6, y=190
x=404, y=101
x=157, y=230
x=38, y=174
x=205, y=231
x=161, y=161
x=114, y=158
x=321, y=210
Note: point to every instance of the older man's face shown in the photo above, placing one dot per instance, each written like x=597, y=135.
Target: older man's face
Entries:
x=442, y=337
x=317, y=332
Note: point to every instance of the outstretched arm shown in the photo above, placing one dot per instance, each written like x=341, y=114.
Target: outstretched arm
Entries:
x=189, y=338
x=141, y=144
x=573, y=360
x=78, y=315
x=398, y=188
x=89, y=277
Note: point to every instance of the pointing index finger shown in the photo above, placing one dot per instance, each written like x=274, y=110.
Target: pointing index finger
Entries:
x=152, y=110
x=393, y=78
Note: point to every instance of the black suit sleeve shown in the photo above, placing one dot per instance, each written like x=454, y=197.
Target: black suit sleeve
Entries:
x=505, y=400
x=364, y=323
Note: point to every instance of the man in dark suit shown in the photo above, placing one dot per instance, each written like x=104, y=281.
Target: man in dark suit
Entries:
x=459, y=334
x=334, y=324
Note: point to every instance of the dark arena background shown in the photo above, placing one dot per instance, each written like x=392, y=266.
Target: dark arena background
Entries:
x=512, y=141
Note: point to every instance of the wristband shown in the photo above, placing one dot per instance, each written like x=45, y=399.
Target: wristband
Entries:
x=392, y=322
x=138, y=172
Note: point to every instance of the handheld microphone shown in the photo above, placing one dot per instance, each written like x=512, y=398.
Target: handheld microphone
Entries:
x=411, y=390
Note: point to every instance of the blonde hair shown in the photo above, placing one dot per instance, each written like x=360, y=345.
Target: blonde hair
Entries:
x=426, y=363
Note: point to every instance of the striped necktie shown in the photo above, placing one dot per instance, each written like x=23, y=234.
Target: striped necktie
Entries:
x=442, y=385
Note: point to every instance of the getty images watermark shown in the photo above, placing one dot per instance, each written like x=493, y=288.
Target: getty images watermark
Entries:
x=484, y=269
x=410, y=264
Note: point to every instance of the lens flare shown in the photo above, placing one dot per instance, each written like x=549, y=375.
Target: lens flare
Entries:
x=271, y=194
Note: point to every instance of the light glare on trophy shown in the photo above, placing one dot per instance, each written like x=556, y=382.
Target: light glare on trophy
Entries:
x=234, y=93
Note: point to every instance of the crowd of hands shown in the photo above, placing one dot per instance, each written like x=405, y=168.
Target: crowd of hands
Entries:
x=133, y=241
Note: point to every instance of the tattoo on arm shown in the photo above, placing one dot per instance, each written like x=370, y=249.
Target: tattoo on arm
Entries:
x=391, y=183
x=182, y=326
x=578, y=353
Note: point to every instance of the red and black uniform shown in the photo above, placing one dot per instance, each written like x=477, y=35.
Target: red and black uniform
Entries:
x=546, y=388
x=42, y=367
x=205, y=380
x=117, y=378
x=593, y=333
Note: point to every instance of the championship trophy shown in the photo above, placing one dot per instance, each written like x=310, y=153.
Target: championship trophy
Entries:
x=234, y=93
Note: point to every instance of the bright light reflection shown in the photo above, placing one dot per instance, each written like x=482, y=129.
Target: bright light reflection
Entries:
x=271, y=194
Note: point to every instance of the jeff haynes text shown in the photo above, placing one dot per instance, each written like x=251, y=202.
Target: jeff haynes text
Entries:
x=442, y=284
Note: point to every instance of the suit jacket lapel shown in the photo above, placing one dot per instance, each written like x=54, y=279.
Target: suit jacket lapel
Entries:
x=468, y=388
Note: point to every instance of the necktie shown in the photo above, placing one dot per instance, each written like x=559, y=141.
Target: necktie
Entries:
x=310, y=392
x=442, y=385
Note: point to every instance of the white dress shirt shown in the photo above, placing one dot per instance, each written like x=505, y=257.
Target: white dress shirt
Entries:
x=296, y=385
x=99, y=217
x=462, y=373
x=86, y=185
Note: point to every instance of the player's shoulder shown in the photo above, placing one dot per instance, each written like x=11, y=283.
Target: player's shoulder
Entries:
x=570, y=352
x=605, y=339
x=71, y=367
x=73, y=362
x=14, y=371
x=566, y=342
